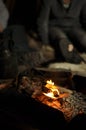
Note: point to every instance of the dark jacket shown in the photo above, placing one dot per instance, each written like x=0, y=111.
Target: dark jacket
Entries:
x=53, y=13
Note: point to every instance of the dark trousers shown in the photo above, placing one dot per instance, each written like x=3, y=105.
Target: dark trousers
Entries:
x=77, y=34
x=64, y=37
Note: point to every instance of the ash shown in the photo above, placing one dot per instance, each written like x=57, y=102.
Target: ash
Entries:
x=73, y=105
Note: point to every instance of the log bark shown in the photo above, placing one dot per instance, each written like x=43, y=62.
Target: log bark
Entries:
x=75, y=69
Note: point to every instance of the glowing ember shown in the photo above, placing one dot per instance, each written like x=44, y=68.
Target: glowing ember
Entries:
x=53, y=90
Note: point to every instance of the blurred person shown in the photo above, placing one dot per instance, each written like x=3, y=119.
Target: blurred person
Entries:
x=63, y=22
x=28, y=51
x=4, y=16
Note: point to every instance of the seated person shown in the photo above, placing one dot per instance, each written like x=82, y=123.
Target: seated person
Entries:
x=64, y=22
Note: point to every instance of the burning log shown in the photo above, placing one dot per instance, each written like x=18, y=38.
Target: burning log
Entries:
x=69, y=102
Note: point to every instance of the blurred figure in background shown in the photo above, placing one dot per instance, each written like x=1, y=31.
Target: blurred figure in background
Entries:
x=64, y=22
x=27, y=48
x=4, y=16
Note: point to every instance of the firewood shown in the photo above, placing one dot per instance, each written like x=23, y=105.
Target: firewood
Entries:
x=76, y=69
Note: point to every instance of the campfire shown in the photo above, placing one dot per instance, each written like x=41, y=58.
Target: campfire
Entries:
x=53, y=96
x=69, y=102
x=53, y=90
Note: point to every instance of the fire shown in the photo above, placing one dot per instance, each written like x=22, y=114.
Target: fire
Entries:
x=55, y=97
x=53, y=90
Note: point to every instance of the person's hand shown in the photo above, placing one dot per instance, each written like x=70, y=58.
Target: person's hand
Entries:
x=1, y=28
x=70, y=47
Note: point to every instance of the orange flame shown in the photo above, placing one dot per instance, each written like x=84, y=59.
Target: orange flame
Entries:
x=54, y=92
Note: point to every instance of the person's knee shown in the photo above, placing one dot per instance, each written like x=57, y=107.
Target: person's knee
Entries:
x=83, y=41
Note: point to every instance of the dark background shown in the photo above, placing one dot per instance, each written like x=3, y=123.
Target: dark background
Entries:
x=23, y=12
